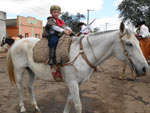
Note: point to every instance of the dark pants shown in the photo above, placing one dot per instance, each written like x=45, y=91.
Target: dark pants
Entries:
x=53, y=41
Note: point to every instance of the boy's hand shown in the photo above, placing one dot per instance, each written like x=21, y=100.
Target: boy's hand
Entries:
x=68, y=32
x=79, y=33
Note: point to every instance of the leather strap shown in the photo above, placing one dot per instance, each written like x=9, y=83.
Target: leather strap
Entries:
x=85, y=57
x=124, y=49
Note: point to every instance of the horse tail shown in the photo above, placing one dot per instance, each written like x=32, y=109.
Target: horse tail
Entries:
x=10, y=68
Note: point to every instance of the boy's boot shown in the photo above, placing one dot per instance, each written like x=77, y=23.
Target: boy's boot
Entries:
x=55, y=56
x=51, y=56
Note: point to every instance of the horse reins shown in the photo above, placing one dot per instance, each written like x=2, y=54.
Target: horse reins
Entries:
x=85, y=57
x=82, y=53
x=124, y=49
x=91, y=49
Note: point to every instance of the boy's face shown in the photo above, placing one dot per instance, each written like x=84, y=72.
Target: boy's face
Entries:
x=55, y=13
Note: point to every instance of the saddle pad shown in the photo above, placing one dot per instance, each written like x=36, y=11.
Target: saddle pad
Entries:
x=41, y=51
x=62, y=50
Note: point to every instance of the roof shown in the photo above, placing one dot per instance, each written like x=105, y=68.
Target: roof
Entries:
x=11, y=22
x=2, y=12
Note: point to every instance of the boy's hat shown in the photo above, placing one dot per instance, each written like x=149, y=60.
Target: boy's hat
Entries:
x=55, y=7
x=140, y=23
x=80, y=23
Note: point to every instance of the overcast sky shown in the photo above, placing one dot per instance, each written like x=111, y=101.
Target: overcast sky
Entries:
x=105, y=11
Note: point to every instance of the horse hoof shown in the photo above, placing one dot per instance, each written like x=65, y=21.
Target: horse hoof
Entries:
x=37, y=111
x=122, y=78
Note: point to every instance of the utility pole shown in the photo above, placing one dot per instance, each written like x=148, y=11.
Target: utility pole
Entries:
x=88, y=10
x=106, y=25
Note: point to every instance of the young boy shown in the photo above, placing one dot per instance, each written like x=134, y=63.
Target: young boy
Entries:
x=53, y=31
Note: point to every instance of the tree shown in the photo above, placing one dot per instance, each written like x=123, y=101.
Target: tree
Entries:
x=135, y=11
x=72, y=20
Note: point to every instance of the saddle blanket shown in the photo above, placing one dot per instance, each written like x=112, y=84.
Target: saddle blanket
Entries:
x=41, y=50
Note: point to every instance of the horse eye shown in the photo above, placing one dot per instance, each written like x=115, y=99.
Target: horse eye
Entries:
x=129, y=44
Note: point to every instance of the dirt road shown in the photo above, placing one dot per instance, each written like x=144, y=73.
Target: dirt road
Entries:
x=103, y=93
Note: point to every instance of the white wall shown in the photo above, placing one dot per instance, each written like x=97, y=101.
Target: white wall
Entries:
x=2, y=27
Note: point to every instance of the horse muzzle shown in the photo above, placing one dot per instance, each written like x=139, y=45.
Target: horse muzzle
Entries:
x=141, y=72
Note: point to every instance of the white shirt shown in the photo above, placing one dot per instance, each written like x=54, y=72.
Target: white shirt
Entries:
x=84, y=29
x=58, y=29
x=144, y=31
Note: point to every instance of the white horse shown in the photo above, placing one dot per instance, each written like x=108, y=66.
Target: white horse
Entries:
x=85, y=55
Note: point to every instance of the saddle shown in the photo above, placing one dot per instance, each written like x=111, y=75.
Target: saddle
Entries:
x=41, y=50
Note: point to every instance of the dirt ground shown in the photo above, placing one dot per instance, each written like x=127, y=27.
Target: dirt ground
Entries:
x=103, y=93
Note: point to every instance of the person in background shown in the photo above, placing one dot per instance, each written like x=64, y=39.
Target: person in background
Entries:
x=54, y=29
x=20, y=36
x=143, y=35
x=84, y=29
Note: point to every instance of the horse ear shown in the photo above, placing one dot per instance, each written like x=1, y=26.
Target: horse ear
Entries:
x=122, y=27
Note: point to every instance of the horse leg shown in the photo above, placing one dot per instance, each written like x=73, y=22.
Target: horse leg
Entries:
x=31, y=90
x=19, y=77
x=74, y=90
x=68, y=104
x=123, y=76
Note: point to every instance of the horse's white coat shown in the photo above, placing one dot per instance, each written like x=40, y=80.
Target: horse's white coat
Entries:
x=103, y=46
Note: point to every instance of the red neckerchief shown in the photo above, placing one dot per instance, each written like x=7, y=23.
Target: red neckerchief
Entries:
x=59, y=22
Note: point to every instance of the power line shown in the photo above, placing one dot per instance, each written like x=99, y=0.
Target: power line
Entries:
x=37, y=10
x=45, y=2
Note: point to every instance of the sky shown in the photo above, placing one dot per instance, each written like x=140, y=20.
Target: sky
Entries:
x=105, y=11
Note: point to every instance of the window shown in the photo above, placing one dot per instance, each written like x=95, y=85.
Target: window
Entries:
x=29, y=21
x=37, y=35
x=35, y=22
x=26, y=35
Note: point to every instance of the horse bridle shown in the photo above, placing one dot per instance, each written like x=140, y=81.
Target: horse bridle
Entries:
x=124, y=49
x=82, y=53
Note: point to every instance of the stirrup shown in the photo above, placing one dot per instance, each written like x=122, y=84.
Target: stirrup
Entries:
x=57, y=75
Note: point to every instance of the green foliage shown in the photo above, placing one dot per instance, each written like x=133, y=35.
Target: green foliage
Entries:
x=135, y=11
x=72, y=20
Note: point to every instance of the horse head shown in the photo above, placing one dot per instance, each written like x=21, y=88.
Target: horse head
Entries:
x=7, y=40
x=131, y=51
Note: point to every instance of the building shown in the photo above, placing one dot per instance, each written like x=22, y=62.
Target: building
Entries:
x=2, y=30
x=25, y=26
x=2, y=24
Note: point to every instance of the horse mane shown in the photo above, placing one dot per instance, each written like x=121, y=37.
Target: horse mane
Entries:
x=129, y=33
x=102, y=32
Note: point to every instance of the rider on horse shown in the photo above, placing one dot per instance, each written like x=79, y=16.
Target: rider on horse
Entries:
x=143, y=36
x=54, y=28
